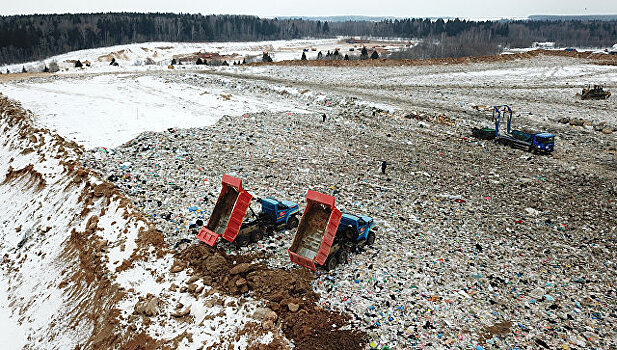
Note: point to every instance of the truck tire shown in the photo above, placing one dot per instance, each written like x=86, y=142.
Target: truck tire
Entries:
x=350, y=234
x=370, y=239
x=292, y=222
x=257, y=235
x=343, y=255
x=243, y=241
x=269, y=230
x=331, y=263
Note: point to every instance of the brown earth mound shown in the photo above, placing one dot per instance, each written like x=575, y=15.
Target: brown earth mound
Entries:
x=35, y=179
x=288, y=293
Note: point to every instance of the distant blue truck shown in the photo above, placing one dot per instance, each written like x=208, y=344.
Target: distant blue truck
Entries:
x=542, y=142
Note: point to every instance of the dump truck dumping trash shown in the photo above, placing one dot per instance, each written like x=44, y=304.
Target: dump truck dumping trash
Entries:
x=228, y=213
x=231, y=220
x=316, y=231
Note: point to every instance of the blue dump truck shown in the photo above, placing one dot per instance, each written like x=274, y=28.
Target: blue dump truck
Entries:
x=325, y=236
x=276, y=214
x=229, y=216
x=353, y=231
x=541, y=142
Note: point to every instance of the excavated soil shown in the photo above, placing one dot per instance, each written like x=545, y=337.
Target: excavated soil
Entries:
x=35, y=179
x=288, y=293
x=223, y=209
x=314, y=221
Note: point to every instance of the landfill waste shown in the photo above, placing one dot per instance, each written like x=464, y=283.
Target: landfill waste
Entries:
x=471, y=253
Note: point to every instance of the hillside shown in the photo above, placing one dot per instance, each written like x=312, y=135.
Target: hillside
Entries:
x=82, y=267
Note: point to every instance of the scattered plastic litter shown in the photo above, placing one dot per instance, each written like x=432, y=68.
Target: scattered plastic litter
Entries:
x=470, y=253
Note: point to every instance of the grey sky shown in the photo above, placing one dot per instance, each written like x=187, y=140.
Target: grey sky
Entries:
x=265, y=8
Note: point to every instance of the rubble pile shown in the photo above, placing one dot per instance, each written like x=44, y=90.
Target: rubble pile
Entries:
x=602, y=126
x=479, y=245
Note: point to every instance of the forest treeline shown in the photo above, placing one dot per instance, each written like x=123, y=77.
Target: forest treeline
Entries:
x=34, y=37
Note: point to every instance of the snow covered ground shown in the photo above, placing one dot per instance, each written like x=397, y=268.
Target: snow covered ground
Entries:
x=11, y=332
x=79, y=267
x=159, y=54
x=108, y=110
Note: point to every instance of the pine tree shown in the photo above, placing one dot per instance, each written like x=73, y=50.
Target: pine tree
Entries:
x=303, y=56
x=375, y=55
x=23, y=69
x=364, y=52
x=326, y=28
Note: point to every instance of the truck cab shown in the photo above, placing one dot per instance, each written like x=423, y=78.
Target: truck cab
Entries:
x=543, y=142
x=535, y=142
x=357, y=228
x=280, y=212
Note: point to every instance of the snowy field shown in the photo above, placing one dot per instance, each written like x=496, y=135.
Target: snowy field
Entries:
x=159, y=54
x=108, y=110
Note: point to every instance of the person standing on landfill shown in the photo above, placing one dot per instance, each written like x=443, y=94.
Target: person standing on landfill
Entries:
x=384, y=164
x=323, y=118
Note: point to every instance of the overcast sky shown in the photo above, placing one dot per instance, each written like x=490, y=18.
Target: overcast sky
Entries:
x=271, y=8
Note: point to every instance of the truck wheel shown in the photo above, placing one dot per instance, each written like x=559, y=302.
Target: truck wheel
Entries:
x=343, y=255
x=257, y=235
x=331, y=263
x=350, y=234
x=243, y=241
x=292, y=223
x=269, y=230
x=370, y=239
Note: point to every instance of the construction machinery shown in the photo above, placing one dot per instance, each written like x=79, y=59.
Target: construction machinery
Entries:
x=325, y=236
x=229, y=217
x=541, y=142
x=595, y=93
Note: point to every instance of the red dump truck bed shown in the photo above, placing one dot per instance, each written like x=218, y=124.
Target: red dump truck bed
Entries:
x=228, y=213
x=316, y=231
